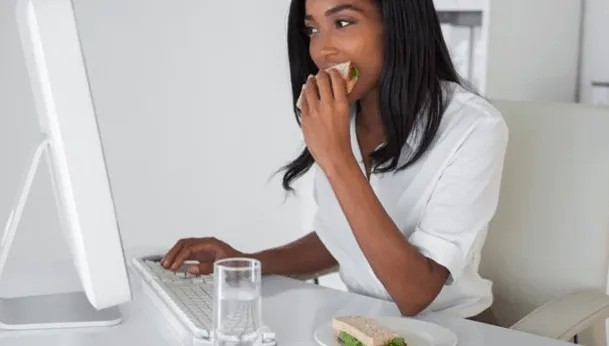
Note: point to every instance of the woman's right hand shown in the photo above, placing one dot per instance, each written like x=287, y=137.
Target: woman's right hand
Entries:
x=204, y=250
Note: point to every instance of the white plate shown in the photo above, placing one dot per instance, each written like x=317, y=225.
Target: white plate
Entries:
x=415, y=332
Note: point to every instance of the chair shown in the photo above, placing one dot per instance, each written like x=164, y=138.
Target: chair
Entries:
x=547, y=250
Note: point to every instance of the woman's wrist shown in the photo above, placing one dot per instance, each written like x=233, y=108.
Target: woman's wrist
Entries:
x=266, y=260
x=341, y=167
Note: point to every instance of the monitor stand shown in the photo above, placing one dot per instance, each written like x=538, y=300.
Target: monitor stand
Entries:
x=62, y=310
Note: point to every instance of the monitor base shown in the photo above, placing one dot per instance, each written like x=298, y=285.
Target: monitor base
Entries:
x=51, y=311
x=61, y=310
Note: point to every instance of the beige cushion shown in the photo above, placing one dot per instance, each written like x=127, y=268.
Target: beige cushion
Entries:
x=550, y=235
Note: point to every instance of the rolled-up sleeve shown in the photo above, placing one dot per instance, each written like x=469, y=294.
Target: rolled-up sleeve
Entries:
x=464, y=199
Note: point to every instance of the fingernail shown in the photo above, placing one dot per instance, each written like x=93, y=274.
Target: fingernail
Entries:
x=194, y=270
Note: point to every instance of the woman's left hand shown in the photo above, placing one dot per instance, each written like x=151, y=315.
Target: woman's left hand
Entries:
x=325, y=119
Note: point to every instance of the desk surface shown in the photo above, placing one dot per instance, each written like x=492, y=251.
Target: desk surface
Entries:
x=316, y=305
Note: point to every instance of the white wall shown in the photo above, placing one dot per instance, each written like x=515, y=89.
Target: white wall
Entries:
x=537, y=58
x=173, y=124
x=195, y=113
x=595, y=46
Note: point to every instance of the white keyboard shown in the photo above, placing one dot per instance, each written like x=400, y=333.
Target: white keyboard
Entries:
x=184, y=297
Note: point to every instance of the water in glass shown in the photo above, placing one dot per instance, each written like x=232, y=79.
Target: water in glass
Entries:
x=237, y=302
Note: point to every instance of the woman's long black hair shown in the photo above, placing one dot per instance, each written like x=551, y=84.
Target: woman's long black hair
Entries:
x=416, y=62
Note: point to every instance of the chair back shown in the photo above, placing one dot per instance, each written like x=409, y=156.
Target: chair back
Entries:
x=550, y=235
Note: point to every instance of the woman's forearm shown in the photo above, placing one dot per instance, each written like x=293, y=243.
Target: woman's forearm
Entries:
x=411, y=279
x=307, y=255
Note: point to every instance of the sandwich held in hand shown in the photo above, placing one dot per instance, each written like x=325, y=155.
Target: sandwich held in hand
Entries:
x=347, y=71
x=364, y=331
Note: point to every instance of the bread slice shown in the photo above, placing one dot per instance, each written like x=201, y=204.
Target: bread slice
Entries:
x=364, y=331
x=347, y=71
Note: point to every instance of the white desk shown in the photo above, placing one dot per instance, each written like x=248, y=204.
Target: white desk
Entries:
x=316, y=305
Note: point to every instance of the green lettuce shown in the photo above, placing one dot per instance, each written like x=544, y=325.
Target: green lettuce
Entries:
x=348, y=340
x=396, y=342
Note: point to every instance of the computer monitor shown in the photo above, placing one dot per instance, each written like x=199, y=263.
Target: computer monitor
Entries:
x=73, y=148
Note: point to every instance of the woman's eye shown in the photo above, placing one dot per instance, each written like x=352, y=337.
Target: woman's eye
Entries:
x=343, y=23
x=310, y=30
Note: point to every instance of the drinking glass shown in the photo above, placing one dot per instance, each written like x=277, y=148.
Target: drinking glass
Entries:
x=237, y=302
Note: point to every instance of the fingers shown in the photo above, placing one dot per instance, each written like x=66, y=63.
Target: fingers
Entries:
x=302, y=102
x=187, y=249
x=339, y=87
x=182, y=257
x=351, y=85
x=170, y=256
x=203, y=250
x=202, y=268
x=324, y=86
x=311, y=93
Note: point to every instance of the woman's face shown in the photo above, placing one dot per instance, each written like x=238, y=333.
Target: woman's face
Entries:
x=347, y=30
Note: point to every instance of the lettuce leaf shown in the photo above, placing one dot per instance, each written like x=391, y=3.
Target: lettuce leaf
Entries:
x=396, y=342
x=348, y=340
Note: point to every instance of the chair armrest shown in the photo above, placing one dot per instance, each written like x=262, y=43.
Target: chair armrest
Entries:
x=564, y=318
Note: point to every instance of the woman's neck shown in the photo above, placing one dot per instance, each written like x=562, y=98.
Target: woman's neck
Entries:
x=369, y=116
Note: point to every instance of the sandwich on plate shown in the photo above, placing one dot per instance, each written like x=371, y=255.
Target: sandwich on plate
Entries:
x=347, y=71
x=364, y=331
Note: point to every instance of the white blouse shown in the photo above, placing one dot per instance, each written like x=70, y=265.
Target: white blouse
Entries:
x=442, y=204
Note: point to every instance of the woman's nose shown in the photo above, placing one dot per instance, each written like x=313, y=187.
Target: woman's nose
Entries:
x=327, y=49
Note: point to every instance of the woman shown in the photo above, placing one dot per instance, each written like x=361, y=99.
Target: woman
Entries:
x=406, y=167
